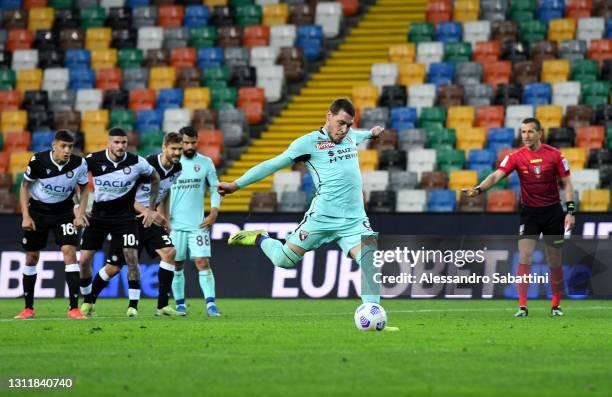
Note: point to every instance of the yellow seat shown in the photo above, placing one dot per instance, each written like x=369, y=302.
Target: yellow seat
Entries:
x=98, y=38
x=212, y=3
x=555, y=70
x=365, y=96
x=96, y=141
x=550, y=116
x=412, y=73
x=466, y=10
x=41, y=18
x=19, y=161
x=402, y=53
x=196, y=98
x=471, y=138
x=460, y=179
x=561, y=29
x=162, y=77
x=14, y=121
x=275, y=14
x=103, y=59
x=576, y=157
x=94, y=122
x=595, y=200
x=460, y=116
x=368, y=160
x=29, y=79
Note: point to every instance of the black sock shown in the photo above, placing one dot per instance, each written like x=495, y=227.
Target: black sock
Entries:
x=165, y=285
x=134, y=292
x=86, y=289
x=72, y=279
x=29, y=281
x=98, y=285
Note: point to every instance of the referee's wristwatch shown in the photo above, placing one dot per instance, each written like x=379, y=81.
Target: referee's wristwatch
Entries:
x=571, y=207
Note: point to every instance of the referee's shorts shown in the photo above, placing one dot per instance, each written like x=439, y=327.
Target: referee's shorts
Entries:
x=549, y=221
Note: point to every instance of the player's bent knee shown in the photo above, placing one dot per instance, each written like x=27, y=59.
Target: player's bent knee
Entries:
x=286, y=257
x=32, y=258
x=167, y=254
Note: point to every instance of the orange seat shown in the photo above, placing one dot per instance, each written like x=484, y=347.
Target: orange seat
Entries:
x=17, y=141
x=214, y=152
x=439, y=11
x=350, y=7
x=253, y=111
x=4, y=161
x=10, y=100
x=210, y=137
x=578, y=8
x=183, y=57
x=487, y=51
x=29, y=4
x=490, y=116
x=502, y=154
x=600, y=50
x=142, y=99
x=497, y=72
x=171, y=16
x=109, y=79
x=251, y=94
x=19, y=39
x=256, y=35
x=591, y=137
x=502, y=201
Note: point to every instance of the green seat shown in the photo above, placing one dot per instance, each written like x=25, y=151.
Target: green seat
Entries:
x=596, y=88
x=421, y=32
x=521, y=10
x=130, y=58
x=151, y=139
x=93, y=17
x=609, y=137
x=123, y=118
x=1, y=141
x=203, y=37
x=530, y=31
x=215, y=74
x=584, y=70
x=148, y=150
x=450, y=160
x=457, y=52
x=248, y=15
x=17, y=180
x=441, y=147
x=238, y=3
x=7, y=79
x=60, y=4
x=594, y=100
x=222, y=95
x=435, y=114
x=441, y=136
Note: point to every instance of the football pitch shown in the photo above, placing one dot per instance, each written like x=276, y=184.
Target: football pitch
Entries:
x=312, y=348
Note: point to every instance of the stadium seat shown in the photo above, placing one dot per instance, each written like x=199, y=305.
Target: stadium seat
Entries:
x=283, y=36
x=578, y=116
x=329, y=16
x=19, y=161
x=566, y=94
x=586, y=179
x=501, y=201
x=263, y=202
x=471, y=138
x=25, y=59
x=515, y=114
x=590, y=29
x=595, y=200
x=441, y=201
x=449, y=32
x=497, y=72
x=41, y=18
x=562, y=29
x=430, y=52
x=468, y=73
x=412, y=73
x=275, y=14
x=421, y=95
x=460, y=116
x=466, y=10
x=196, y=98
x=103, y=59
x=94, y=122
x=550, y=116
x=374, y=180
x=292, y=202
x=555, y=71
x=498, y=138
x=487, y=51
x=489, y=116
x=62, y=100
x=402, y=53
x=439, y=11
x=411, y=200
x=577, y=157
x=590, y=137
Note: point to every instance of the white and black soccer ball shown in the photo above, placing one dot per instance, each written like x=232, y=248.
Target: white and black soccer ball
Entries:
x=370, y=317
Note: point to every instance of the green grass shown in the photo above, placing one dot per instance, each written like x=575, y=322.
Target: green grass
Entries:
x=311, y=348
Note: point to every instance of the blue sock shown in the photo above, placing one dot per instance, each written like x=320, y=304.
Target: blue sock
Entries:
x=207, y=283
x=178, y=287
x=279, y=254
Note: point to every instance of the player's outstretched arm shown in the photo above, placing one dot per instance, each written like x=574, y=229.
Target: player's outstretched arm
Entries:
x=255, y=174
x=485, y=185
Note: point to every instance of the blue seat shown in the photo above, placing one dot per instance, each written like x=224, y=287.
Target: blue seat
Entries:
x=403, y=118
x=77, y=59
x=149, y=120
x=82, y=78
x=609, y=28
x=169, y=98
x=481, y=159
x=449, y=32
x=310, y=38
x=42, y=140
x=550, y=9
x=536, y=94
x=209, y=57
x=442, y=201
x=499, y=138
x=137, y=3
x=441, y=73
x=10, y=4
x=308, y=185
x=196, y=16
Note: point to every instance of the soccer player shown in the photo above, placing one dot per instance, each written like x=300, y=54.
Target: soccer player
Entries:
x=190, y=228
x=154, y=238
x=116, y=174
x=540, y=167
x=46, y=198
x=337, y=211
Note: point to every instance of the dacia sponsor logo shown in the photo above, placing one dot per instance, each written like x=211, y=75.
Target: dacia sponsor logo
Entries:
x=112, y=183
x=58, y=189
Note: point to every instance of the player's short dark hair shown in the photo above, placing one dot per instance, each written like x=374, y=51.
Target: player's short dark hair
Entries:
x=172, y=137
x=64, y=136
x=189, y=131
x=342, y=104
x=534, y=121
x=116, y=131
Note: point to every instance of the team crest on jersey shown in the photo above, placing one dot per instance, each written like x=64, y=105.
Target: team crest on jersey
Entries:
x=303, y=235
x=324, y=145
x=127, y=170
x=48, y=171
x=69, y=174
x=197, y=167
x=366, y=224
x=103, y=168
x=537, y=170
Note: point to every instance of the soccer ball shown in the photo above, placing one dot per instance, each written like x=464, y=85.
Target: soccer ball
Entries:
x=370, y=317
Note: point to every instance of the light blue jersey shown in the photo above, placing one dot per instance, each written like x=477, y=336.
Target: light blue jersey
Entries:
x=187, y=210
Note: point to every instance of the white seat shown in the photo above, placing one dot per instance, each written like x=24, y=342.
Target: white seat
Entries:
x=150, y=38
x=289, y=181
x=421, y=96
x=111, y=3
x=175, y=119
x=566, y=93
x=585, y=179
x=384, y=74
x=411, y=200
x=282, y=36
x=430, y=52
x=264, y=2
x=55, y=79
x=25, y=59
x=590, y=28
x=329, y=16
x=88, y=99
x=421, y=160
x=271, y=79
x=263, y=56
x=374, y=180
x=476, y=31
x=515, y=114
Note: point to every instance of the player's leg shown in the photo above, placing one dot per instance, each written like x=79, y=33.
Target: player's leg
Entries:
x=91, y=241
x=529, y=232
x=32, y=242
x=200, y=252
x=180, y=240
x=553, y=225
x=102, y=279
x=131, y=260
x=165, y=275
x=72, y=279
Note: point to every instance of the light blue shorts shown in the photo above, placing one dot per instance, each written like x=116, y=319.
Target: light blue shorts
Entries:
x=197, y=242
x=315, y=231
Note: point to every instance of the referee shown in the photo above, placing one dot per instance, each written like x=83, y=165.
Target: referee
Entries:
x=540, y=168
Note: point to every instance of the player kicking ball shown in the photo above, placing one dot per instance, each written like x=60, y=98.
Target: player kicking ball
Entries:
x=337, y=211
x=540, y=167
x=154, y=238
x=46, y=198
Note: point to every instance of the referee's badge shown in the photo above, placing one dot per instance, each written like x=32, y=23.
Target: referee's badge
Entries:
x=197, y=167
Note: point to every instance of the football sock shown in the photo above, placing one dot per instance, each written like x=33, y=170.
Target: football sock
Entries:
x=207, y=284
x=279, y=253
x=370, y=290
x=134, y=293
x=29, y=281
x=72, y=279
x=523, y=288
x=178, y=287
x=164, y=278
x=100, y=282
x=86, y=289
x=556, y=283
